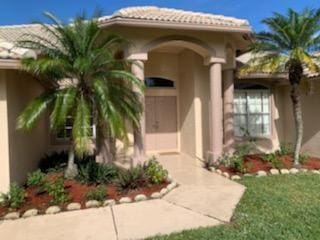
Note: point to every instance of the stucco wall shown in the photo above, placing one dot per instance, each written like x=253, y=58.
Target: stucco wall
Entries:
x=311, y=119
x=187, y=107
x=4, y=138
x=25, y=148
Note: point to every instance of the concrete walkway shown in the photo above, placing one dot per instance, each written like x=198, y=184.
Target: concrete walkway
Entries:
x=202, y=199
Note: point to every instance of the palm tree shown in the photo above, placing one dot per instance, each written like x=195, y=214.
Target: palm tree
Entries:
x=287, y=47
x=89, y=79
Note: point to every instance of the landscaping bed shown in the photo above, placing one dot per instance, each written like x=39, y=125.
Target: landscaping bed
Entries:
x=254, y=163
x=95, y=185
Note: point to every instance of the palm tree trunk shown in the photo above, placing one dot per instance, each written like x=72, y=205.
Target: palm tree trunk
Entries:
x=105, y=146
x=72, y=169
x=297, y=113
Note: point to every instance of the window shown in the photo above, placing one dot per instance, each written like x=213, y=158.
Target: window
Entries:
x=252, y=110
x=66, y=131
x=159, y=82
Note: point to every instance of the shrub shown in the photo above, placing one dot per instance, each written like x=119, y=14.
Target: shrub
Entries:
x=98, y=194
x=54, y=162
x=273, y=159
x=92, y=172
x=132, y=178
x=237, y=162
x=155, y=172
x=57, y=161
x=56, y=190
x=14, y=198
x=303, y=158
x=36, y=179
x=284, y=149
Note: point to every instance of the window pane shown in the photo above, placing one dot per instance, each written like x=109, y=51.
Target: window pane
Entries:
x=254, y=102
x=240, y=103
x=255, y=125
x=266, y=103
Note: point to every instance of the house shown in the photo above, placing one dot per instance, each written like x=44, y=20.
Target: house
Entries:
x=194, y=101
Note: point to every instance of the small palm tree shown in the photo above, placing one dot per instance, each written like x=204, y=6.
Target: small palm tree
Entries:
x=287, y=47
x=89, y=80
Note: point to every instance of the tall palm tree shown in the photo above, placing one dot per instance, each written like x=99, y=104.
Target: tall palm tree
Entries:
x=287, y=47
x=90, y=81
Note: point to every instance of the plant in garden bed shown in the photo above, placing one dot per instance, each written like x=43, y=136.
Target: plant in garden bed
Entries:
x=132, y=178
x=14, y=198
x=57, y=191
x=98, y=194
x=92, y=172
x=155, y=172
x=284, y=149
x=274, y=160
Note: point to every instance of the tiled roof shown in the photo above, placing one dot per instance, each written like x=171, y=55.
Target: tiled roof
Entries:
x=11, y=34
x=245, y=58
x=176, y=16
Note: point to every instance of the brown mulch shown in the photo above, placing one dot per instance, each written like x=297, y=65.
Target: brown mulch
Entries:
x=255, y=163
x=76, y=192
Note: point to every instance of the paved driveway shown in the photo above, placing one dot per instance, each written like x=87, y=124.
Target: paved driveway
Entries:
x=202, y=199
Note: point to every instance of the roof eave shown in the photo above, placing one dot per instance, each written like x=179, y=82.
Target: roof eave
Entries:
x=173, y=25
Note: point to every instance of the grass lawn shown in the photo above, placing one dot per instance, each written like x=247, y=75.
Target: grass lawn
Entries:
x=277, y=207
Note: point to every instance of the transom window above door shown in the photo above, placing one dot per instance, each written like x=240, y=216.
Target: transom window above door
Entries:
x=252, y=115
x=159, y=82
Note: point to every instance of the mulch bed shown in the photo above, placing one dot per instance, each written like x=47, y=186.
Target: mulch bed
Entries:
x=76, y=192
x=255, y=163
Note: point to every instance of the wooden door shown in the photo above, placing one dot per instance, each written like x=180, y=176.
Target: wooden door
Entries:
x=161, y=123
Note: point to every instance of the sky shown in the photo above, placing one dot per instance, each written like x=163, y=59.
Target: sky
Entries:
x=26, y=11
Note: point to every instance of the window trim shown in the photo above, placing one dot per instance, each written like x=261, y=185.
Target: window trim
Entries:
x=247, y=114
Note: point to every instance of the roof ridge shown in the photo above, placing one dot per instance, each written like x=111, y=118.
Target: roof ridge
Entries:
x=127, y=10
x=20, y=25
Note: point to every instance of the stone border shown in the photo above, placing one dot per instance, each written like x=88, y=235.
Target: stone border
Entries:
x=74, y=206
x=273, y=171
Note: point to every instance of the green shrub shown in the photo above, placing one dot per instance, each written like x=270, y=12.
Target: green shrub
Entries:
x=53, y=162
x=273, y=159
x=98, y=194
x=303, y=158
x=237, y=162
x=14, y=198
x=36, y=179
x=132, y=178
x=284, y=149
x=56, y=190
x=92, y=172
x=155, y=172
x=57, y=161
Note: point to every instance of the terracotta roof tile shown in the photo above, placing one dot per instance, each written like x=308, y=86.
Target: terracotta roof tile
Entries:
x=176, y=16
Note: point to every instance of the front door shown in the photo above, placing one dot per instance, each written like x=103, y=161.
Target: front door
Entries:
x=161, y=123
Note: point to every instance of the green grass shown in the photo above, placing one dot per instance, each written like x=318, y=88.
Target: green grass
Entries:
x=277, y=207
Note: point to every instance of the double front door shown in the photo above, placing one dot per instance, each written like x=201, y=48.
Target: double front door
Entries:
x=161, y=123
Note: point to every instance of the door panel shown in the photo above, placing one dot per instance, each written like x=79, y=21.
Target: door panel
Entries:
x=166, y=117
x=161, y=123
x=150, y=121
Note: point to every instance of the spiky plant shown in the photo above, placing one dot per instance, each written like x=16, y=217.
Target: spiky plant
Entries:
x=89, y=81
x=287, y=47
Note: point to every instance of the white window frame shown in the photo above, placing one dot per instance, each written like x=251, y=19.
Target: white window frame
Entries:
x=65, y=138
x=247, y=114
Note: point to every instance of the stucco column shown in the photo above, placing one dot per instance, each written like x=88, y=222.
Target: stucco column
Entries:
x=228, y=89
x=139, y=134
x=216, y=130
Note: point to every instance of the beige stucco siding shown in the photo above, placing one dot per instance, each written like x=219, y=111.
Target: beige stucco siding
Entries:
x=4, y=135
x=25, y=148
x=311, y=119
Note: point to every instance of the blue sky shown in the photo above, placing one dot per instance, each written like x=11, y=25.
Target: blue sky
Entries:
x=26, y=11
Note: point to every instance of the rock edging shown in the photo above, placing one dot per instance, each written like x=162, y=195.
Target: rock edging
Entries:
x=261, y=173
x=73, y=206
